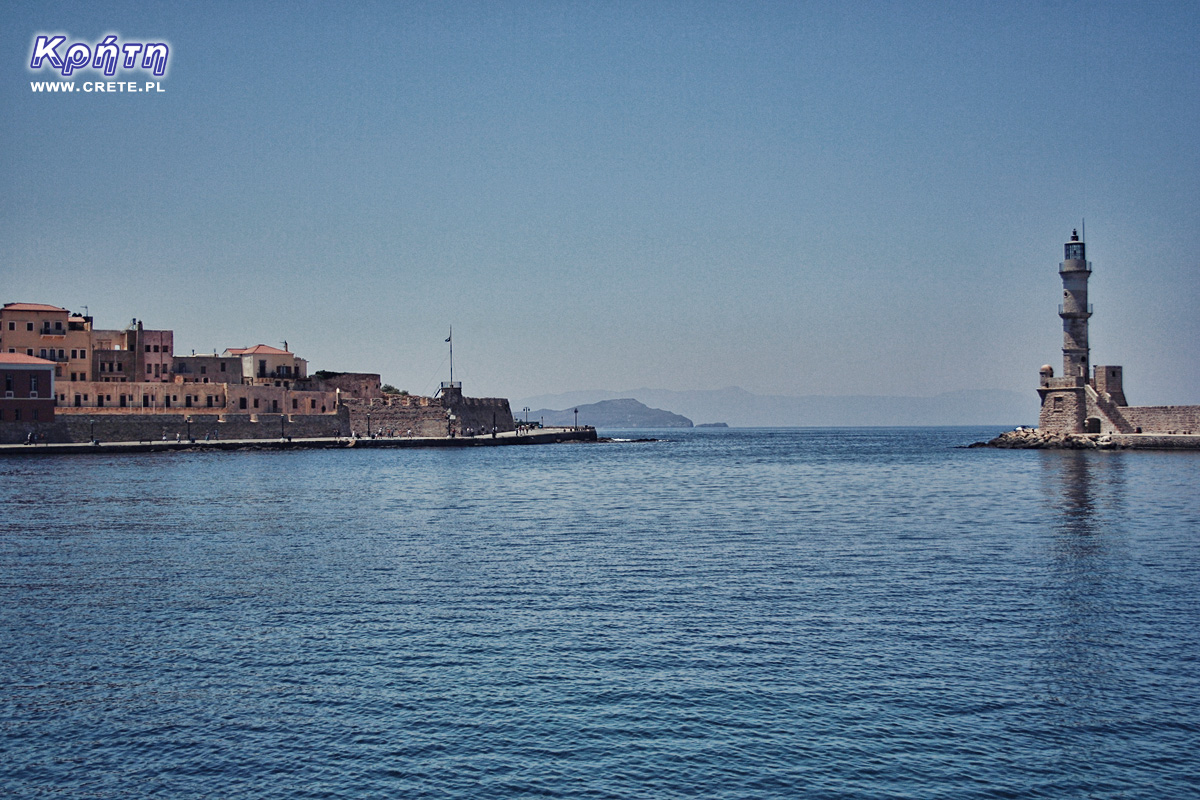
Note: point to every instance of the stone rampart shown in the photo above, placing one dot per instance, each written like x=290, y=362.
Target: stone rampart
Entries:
x=1163, y=419
x=397, y=415
x=132, y=427
x=480, y=414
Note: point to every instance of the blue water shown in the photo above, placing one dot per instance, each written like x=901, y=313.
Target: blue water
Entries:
x=868, y=613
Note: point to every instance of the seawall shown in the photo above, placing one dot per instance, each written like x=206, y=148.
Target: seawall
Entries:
x=544, y=436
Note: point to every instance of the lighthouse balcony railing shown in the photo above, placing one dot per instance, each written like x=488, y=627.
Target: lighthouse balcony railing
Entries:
x=1062, y=267
x=1075, y=310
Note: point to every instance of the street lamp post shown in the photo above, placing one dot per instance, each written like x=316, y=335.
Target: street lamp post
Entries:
x=92, y=430
x=188, y=420
x=577, y=419
x=368, y=424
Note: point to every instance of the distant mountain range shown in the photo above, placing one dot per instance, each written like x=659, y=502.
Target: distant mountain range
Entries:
x=744, y=409
x=623, y=413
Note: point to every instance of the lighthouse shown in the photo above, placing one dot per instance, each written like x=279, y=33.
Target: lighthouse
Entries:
x=1075, y=311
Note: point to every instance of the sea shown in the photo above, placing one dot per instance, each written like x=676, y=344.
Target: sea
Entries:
x=717, y=613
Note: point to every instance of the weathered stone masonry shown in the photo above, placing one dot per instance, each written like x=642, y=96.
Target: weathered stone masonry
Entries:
x=1092, y=399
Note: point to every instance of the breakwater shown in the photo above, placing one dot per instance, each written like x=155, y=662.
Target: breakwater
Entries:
x=1036, y=439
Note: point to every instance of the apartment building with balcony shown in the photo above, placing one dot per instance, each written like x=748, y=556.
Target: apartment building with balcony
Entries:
x=50, y=333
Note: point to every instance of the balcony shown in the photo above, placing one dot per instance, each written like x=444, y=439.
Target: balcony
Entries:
x=48, y=331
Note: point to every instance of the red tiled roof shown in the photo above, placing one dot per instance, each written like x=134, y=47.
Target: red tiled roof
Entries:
x=32, y=307
x=258, y=349
x=21, y=358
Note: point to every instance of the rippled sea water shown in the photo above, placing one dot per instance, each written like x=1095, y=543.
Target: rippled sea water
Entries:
x=860, y=613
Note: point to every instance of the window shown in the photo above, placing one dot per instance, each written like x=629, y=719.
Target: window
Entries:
x=222, y=366
x=29, y=351
x=147, y=348
x=209, y=401
x=16, y=415
x=203, y=370
x=156, y=348
x=42, y=352
x=8, y=382
x=120, y=367
x=83, y=353
x=62, y=355
x=58, y=326
x=12, y=326
x=294, y=402
x=74, y=354
x=1058, y=404
x=33, y=385
x=242, y=402
x=28, y=326
x=35, y=415
x=256, y=402
x=147, y=369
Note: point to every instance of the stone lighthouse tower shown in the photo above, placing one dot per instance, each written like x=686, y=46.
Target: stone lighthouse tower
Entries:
x=1065, y=399
x=1075, y=311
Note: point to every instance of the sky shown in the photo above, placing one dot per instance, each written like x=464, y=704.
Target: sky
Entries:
x=794, y=198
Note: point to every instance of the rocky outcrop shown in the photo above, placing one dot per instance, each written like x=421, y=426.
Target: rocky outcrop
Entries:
x=1035, y=439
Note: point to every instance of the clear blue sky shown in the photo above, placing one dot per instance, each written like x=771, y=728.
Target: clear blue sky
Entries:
x=795, y=198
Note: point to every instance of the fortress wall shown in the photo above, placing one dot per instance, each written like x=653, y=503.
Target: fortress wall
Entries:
x=152, y=427
x=353, y=385
x=480, y=413
x=1163, y=419
x=1062, y=411
x=398, y=414
x=16, y=432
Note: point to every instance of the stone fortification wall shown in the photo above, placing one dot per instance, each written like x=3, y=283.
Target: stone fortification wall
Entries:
x=481, y=413
x=428, y=416
x=353, y=385
x=1163, y=419
x=396, y=415
x=1063, y=410
x=126, y=427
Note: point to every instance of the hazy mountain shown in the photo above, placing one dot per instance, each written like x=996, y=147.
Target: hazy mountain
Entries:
x=623, y=413
x=745, y=409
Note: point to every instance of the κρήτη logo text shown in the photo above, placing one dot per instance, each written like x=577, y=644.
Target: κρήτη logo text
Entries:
x=106, y=56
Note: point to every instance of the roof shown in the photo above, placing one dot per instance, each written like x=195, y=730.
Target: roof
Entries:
x=258, y=349
x=33, y=307
x=17, y=359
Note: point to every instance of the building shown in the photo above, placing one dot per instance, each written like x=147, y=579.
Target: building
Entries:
x=1090, y=398
x=132, y=355
x=269, y=366
x=50, y=333
x=28, y=389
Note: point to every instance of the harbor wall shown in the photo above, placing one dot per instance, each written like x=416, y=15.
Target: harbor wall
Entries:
x=428, y=416
x=120, y=426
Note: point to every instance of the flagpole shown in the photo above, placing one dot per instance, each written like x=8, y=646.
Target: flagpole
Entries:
x=450, y=339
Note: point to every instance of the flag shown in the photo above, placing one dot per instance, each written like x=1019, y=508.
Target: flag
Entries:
x=448, y=338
